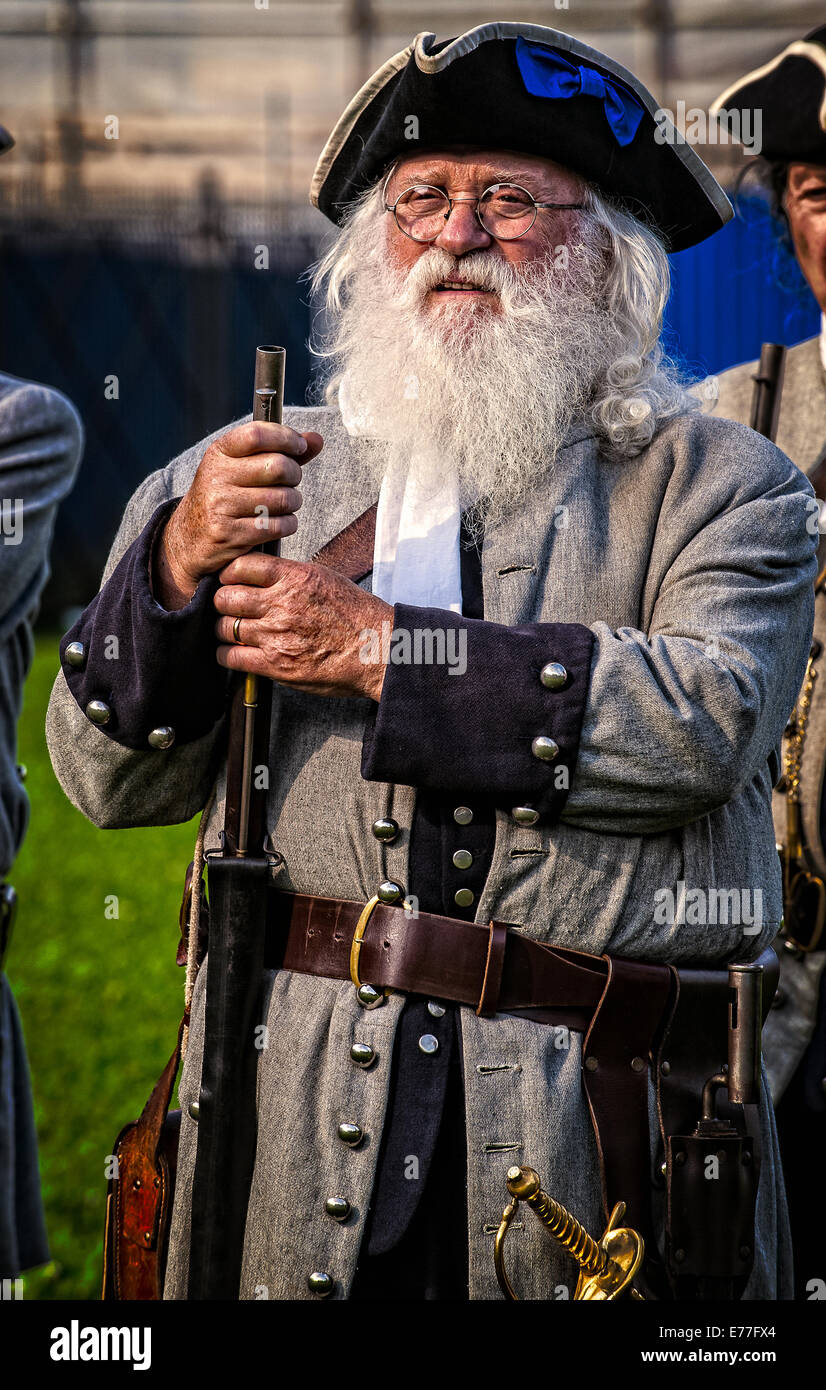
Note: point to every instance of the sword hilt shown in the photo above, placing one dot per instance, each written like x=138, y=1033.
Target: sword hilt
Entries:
x=606, y=1268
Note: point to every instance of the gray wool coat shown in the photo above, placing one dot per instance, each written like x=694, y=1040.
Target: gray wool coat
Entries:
x=801, y=434
x=693, y=566
x=41, y=440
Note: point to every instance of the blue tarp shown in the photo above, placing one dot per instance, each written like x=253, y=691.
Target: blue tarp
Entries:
x=736, y=291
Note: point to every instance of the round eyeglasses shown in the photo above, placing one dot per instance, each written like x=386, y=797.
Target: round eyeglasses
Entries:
x=504, y=210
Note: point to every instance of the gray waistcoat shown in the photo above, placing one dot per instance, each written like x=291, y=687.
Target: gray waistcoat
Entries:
x=693, y=566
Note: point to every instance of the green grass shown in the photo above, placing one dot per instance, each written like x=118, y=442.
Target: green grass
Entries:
x=100, y=997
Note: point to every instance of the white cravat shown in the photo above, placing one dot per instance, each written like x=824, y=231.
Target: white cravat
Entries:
x=416, y=550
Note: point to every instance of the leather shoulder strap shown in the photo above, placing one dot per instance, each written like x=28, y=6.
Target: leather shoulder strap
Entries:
x=351, y=551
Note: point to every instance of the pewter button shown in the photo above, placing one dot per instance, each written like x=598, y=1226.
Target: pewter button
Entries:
x=390, y=892
x=369, y=997
x=350, y=1134
x=76, y=655
x=544, y=748
x=98, y=712
x=463, y=897
x=435, y=1010
x=463, y=859
x=385, y=829
x=162, y=737
x=428, y=1044
x=525, y=815
x=362, y=1055
x=463, y=815
x=553, y=676
x=194, y=1110
x=320, y=1283
x=337, y=1207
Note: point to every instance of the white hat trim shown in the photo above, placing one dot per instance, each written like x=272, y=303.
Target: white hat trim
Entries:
x=500, y=29
x=350, y=115
x=800, y=49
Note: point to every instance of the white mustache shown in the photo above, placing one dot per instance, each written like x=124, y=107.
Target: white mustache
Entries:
x=522, y=288
x=437, y=265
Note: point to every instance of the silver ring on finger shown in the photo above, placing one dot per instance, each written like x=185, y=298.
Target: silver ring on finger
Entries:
x=236, y=632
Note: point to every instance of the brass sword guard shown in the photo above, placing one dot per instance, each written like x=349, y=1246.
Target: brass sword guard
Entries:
x=606, y=1268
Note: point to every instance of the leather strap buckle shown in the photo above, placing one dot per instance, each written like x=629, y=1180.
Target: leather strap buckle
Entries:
x=356, y=944
x=494, y=964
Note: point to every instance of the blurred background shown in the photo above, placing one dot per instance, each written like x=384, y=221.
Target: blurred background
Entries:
x=154, y=227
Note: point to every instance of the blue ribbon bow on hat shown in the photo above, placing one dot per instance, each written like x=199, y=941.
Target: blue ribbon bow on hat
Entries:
x=546, y=74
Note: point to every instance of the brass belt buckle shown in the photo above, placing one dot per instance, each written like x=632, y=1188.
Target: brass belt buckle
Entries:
x=369, y=996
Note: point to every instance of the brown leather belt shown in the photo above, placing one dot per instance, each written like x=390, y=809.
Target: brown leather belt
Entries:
x=640, y=1020
x=439, y=956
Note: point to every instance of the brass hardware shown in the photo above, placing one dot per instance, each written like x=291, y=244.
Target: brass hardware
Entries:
x=355, y=951
x=606, y=1269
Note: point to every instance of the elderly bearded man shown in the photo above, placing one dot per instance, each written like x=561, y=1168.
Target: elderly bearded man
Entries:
x=628, y=585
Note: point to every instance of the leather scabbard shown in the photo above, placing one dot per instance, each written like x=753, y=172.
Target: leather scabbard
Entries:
x=139, y=1197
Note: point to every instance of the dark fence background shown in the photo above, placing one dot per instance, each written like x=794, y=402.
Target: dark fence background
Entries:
x=176, y=308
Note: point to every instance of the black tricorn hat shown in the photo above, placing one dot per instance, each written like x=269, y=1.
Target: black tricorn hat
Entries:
x=536, y=91
x=790, y=94
x=6, y=140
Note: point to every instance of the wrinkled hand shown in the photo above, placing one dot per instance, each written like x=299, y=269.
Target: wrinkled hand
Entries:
x=244, y=494
x=303, y=625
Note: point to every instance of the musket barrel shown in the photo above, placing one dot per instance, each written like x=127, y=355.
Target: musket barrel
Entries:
x=268, y=393
x=267, y=404
x=238, y=888
x=768, y=385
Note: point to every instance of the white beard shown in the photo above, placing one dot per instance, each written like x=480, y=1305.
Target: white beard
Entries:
x=488, y=389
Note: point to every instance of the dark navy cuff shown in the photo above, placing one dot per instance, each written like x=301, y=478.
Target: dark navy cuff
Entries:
x=481, y=709
x=147, y=677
